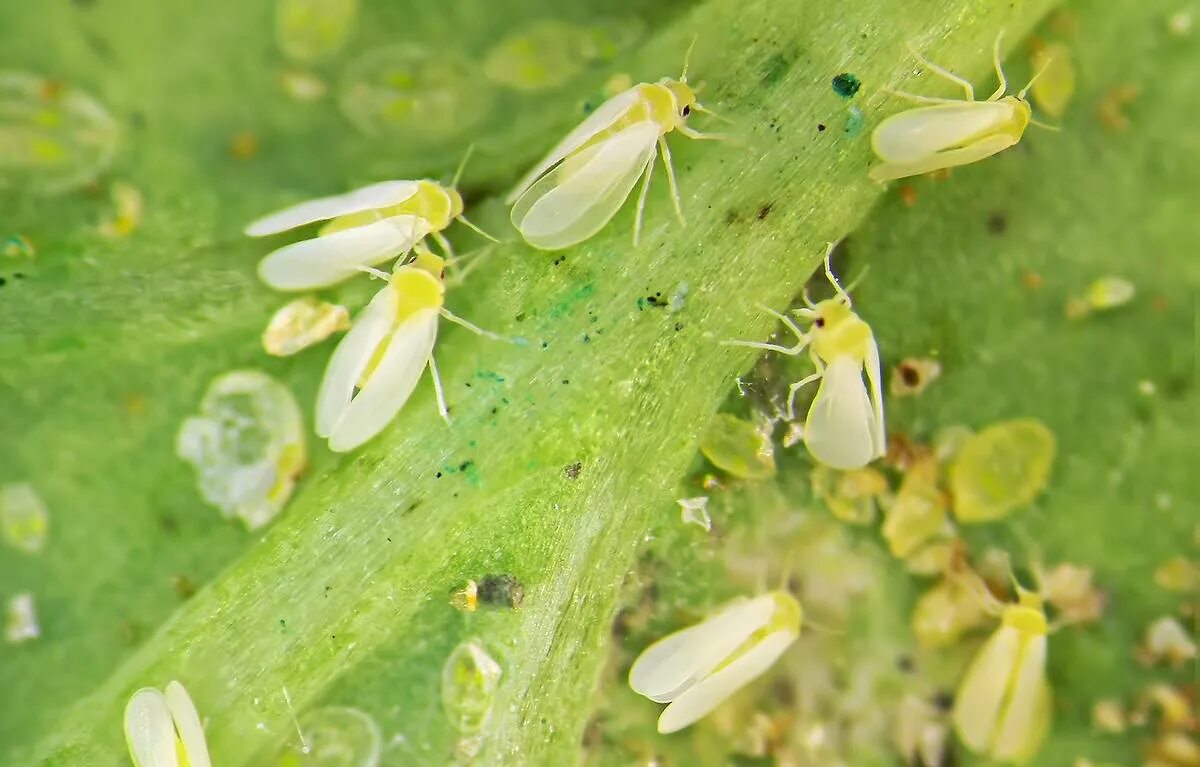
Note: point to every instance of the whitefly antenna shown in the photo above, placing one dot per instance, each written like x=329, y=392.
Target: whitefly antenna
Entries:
x=462, y=165
x=687, y=58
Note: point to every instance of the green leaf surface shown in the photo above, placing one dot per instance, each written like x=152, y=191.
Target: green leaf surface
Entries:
x=109, y=344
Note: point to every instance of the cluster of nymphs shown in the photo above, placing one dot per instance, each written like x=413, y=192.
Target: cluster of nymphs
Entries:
x=565, y=199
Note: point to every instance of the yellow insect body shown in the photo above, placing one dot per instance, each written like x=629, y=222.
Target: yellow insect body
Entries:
x=844, y=428
x=949, y=132
x=583, y=181
x=377, y=365
x=1002, y=708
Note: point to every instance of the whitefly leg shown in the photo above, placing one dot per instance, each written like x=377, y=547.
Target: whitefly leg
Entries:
x=438, y=392
x=470, y=326
x=641, y=202
x=794, y=389
x=968, y=89
x=1003, y=86
x=666, y=155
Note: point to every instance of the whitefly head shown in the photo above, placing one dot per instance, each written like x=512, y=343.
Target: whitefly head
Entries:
x=695, y=669
x=162, y=729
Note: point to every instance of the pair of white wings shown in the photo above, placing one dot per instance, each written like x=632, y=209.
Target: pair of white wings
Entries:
x=941, y=136
x=326, y=260
x=1002, y=707
x=155, y=722
x=572, y=193
x=679, y=668
x=348, y=419
x=844, y=428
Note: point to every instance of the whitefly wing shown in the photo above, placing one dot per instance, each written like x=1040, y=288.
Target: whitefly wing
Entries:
x=351, y=357
x=604, y=116
x=370, y=197
x=1019, y=727
x=329, y=259
x=582, y=194
x=917, y=133
x=680, y=660
x=980, y=696
x=871, y=367
x=390, y=385
x=839, y=430
x=714, y=689
x=149, y=731
x=187, y=723
x=950, y=158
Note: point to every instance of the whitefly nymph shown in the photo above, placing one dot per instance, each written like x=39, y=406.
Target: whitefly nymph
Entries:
x=585, y=179
x=949, y=132
x=844, y=428
x=697, y=668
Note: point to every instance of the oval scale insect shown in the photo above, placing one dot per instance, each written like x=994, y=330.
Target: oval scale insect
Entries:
x=844, y=428
x=950, y=132
x=581, y=184
x=378, y=363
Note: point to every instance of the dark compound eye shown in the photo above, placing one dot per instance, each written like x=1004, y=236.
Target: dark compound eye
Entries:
x=819, y=322
x=687, y=110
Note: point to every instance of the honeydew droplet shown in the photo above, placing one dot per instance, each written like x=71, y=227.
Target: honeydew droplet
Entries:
x=1000, y=469
x=1052, y=91
x=413, y=92
x=334, y=736
x=53, y=137
x=548, y=53
x=308, y=30
x=738, y=447
x=21, y=623
x=470, y=679
x=24, y=518
x=247, y=446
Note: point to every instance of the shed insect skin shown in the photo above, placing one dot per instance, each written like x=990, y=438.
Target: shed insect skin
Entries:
x=951, y=132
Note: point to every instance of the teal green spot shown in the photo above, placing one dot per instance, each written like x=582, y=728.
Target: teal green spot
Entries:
x=854, y=122
x=846, y=85
x=774, y=68
x=488, y=375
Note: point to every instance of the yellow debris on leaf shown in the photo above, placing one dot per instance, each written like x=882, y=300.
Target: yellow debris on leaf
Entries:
x=851, y=496
x=1108, y=716
x=1068, y=588
x=912, y=376
x=1053, y=89
x=917, y=513
x=129, y=204
x=1167, y=641
x=738, y=447
x=1000, y=469
x=301, y=323
x=1179, y=574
